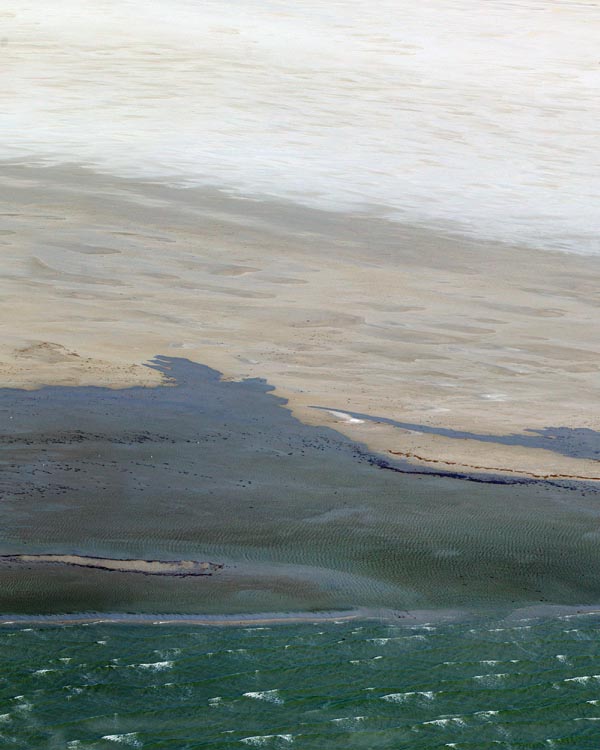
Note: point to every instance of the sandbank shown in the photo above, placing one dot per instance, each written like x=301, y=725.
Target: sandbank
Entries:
x=350, y=313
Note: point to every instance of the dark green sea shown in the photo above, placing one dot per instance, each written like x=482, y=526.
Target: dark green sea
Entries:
x=476, y=684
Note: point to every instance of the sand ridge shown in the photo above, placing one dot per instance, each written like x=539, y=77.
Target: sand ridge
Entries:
x=147, y=567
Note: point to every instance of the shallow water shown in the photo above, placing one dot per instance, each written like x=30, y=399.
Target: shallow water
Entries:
x=479, y=684
x=301, y=518
x=480, y=117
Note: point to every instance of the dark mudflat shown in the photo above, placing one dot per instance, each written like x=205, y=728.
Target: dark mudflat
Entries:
x=301, y=519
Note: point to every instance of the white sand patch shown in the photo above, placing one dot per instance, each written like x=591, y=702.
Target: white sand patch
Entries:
x=343, y=417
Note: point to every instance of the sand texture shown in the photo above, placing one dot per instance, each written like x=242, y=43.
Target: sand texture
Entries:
x=147, y=567
x=456, y=344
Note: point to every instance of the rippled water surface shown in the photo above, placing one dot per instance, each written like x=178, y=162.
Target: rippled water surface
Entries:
x=481, y=684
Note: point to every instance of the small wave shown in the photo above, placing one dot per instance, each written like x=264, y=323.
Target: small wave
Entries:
x=216, y=701
x=73, y=690
x=378, y=641
x=490, y=679
x=44, y=671
x=577, y=634
x=583, y=679
x=7, y=717
x=428, y=695
x=447, y=721
x=264, y=739
x=156, y=666
x=270, y=696
x=348, y=722
x=23, y=706
x=130, y=739
x=486, y=714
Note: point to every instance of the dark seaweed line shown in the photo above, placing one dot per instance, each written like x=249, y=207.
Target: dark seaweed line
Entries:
x=479, y=478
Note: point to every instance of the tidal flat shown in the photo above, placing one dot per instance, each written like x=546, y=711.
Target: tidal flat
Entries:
x=275, y=515
x=439, y=339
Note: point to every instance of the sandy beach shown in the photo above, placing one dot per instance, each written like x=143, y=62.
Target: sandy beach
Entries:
x=460, y=343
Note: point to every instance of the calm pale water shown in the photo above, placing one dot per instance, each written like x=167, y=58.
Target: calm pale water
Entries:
x=478, y=116
x=482, y=684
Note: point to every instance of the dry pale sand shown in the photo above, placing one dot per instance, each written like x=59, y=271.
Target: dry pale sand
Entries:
x=147, y=567
x=349, y=313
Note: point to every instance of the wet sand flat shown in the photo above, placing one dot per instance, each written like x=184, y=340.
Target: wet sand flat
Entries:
x=449, y=337
x=111, y=497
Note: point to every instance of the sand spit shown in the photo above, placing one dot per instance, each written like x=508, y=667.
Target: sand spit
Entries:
x=350, y=313
x=147, y=567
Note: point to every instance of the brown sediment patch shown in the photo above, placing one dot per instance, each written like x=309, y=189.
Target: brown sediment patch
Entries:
x=147, y=567
x=46, y=351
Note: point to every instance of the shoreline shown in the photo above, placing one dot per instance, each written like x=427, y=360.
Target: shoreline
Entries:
x=406, y=618
x=116, y=498
x=442, y=345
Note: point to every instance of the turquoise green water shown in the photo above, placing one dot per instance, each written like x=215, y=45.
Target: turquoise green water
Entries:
x=479, y=684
